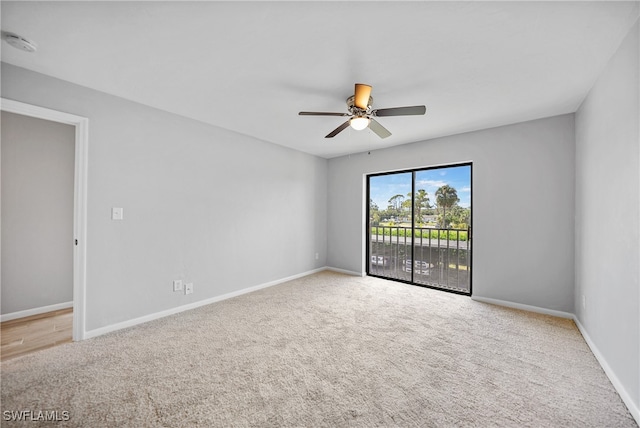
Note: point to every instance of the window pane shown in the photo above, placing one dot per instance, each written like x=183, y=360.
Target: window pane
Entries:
x=443, y=215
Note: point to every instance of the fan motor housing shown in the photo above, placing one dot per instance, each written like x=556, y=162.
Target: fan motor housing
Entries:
x=353, y=109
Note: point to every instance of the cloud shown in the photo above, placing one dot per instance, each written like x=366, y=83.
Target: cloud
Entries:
x=430, y=183
x=465, y=189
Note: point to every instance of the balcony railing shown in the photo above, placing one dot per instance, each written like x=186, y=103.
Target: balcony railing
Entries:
x=440, y=257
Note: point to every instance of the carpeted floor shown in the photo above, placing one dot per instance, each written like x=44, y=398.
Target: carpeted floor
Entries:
x=327, y=350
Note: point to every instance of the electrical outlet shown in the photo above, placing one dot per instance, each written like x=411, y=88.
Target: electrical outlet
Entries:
x=188, y=288
x=317, y=256
x=117, y=213
x=177, y=285
x=584, y=302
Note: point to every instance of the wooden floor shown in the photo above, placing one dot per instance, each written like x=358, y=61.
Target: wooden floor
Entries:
x=29, y=334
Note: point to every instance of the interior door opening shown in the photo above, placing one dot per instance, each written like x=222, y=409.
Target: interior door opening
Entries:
x=78, y=240
x=419, y=227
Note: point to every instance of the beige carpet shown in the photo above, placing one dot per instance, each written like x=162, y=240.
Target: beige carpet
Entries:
x=327, y=350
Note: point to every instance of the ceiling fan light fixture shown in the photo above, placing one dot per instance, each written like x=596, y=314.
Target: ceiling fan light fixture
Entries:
x=359, y=123
x=359, y=106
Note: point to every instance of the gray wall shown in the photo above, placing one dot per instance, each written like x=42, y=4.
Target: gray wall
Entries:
x=203, y=204
x=523, y=206
x=37, y=213
x=607, y=215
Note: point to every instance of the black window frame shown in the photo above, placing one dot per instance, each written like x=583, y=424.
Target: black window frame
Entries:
x=413, y=172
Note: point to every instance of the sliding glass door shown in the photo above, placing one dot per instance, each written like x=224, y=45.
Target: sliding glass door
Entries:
x=419, y=227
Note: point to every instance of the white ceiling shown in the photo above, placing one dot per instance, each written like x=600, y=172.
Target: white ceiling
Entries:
x=252, y=66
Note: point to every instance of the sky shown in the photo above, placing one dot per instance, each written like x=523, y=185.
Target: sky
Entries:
x=383, y=187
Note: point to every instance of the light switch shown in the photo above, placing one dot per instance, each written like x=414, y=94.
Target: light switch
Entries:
x=117, y=213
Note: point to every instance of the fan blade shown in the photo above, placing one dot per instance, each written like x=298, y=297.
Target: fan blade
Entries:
x=338, y=130
x=320, y=113
x=375, y=126
x=400, y=111
x=362, y=94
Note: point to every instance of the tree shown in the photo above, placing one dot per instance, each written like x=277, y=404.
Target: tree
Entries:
x=374, y=213
x=459, y=217
x=406, y=207
x=446, y=197
x=395, y=203
x=420, y=204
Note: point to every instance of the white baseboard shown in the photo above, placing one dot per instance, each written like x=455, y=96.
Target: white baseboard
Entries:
x=346, y=272
x=529, y=308
x=35, y=311
x=130, y=323
x=628, y=401
x=620, y=389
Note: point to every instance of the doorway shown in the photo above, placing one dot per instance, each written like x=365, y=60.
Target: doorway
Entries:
x=419, y=227
x=78, y=239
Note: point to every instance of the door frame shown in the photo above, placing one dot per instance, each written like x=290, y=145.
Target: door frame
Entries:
x=81, y=125
x=367, y=241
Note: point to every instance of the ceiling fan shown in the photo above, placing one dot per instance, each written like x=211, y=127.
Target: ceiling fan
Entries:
x=362, y=115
